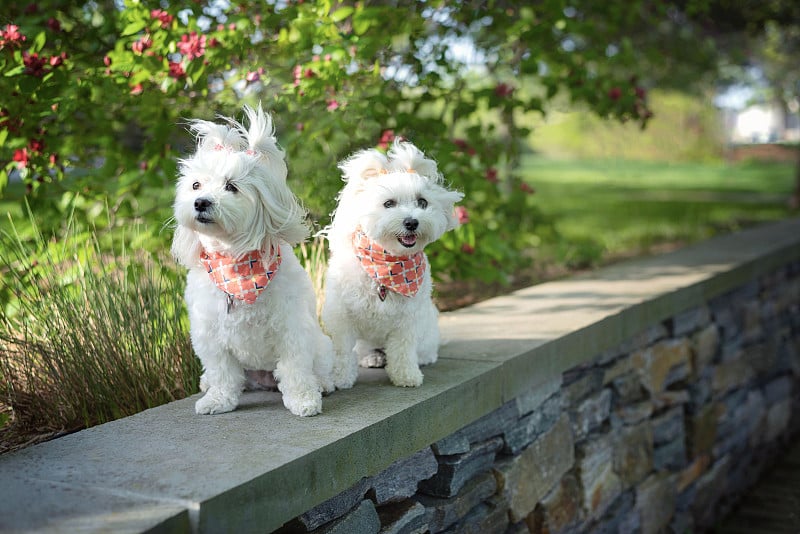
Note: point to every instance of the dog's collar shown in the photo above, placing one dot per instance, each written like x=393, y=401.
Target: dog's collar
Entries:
x=244, y=277
x=401, y=274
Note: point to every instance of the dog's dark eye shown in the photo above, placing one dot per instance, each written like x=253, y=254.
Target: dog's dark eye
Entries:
x=422, y=203
x=196, y=186
x=229, y=186
x=389, y=204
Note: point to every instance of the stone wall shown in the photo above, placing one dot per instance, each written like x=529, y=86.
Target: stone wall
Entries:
x=660, y=434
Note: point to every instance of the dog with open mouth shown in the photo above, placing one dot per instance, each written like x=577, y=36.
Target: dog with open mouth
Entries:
x=378, y=283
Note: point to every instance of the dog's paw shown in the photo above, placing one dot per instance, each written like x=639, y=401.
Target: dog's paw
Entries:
x=345, y=376
x=214, y=401
x=407, y=378
x=327, y=384
x=375, y=359
x=304, y=404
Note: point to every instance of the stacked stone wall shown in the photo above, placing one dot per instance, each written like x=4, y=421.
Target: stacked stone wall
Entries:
x=660, y=434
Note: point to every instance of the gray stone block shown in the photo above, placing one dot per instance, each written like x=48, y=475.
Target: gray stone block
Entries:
x=441, y=513
x=591, y=413
x=778, y=390
x=362, y=520
x=454, y=471
x=533, y=425
x=670, y=455
x=400, y=479
x=581, y=385
x=488, y=426
x=600, y=483
x=334, y=507
x=488, y=516
x=407, y=517
x=668, y=426
x=690, y=320
x=534, y=398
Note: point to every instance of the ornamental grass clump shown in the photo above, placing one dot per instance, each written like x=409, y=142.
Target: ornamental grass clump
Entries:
x=87, y=335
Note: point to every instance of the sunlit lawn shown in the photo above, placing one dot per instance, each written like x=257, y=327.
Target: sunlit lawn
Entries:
x=606, y=209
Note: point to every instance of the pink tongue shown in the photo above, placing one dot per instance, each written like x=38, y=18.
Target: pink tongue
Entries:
x=408, y=239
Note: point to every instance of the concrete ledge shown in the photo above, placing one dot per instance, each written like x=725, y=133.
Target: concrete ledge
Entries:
x=167, y=469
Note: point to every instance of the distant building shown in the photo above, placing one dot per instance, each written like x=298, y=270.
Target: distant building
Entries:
x=762, y=123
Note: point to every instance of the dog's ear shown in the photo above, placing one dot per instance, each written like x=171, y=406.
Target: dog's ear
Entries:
x=447, y=200
x=185, y=247
x=363, y=166
x=279, y=214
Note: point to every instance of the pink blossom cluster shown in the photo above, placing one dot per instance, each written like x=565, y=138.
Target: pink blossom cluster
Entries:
x=11, y=36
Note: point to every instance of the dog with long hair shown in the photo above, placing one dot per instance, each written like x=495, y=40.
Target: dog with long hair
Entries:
x=251, y=304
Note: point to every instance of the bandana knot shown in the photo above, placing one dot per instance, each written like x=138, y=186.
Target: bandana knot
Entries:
x=401, y=274
x=243, y=278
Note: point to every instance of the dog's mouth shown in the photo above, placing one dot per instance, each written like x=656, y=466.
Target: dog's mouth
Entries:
x=204, y=219
x=407, y=240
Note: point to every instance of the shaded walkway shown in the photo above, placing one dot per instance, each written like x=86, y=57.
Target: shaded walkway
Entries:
x=772, y=506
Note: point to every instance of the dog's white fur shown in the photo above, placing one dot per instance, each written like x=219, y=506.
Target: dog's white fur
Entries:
x=404, y=328
x=242, y=172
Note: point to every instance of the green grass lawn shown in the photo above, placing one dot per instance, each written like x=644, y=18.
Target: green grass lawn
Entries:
x=606, y=209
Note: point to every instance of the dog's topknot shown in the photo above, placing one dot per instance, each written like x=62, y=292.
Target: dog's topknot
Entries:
x=257, y=138
x=401, y=157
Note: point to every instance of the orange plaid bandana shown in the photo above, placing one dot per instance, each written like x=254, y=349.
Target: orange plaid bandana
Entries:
x=242, y=278
x=401, y=274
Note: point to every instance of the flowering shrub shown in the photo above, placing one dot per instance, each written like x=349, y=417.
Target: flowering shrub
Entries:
x=93, y=98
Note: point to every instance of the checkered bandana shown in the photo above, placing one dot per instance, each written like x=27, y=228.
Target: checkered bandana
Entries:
x=401, y=274
x=242, y=278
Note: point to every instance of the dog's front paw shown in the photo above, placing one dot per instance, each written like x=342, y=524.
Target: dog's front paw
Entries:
x=215, y=401
x=410, y=377
x=345, y=374
x=304, y=404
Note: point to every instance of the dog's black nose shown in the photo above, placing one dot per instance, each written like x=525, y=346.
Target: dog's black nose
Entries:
x=202, y=204
x=410, y=223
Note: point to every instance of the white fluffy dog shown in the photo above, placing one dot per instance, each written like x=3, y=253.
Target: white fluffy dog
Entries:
x=251, y=304
x=378, y=284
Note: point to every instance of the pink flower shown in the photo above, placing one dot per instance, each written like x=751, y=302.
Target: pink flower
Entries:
x=11, y=35
x=640, y=92
x=107, y=61
x=462, y=215
x=165, y=18
x=141, y=44
x=53, y=159
x=491, y=175
x=192, y=45
x=137, y=89
x=525, y=188
x=333, y=105
x=176, y=70
x=467, y=248
x=54, y=24
x=252, y=76
x=614, y=93
x=387, y=136
x=21, y=156
x=299, y=126
x=56, y=61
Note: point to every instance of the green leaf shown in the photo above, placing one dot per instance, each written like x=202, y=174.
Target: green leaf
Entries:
x=341, y=13
x=134, y=27
x=38, y=42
